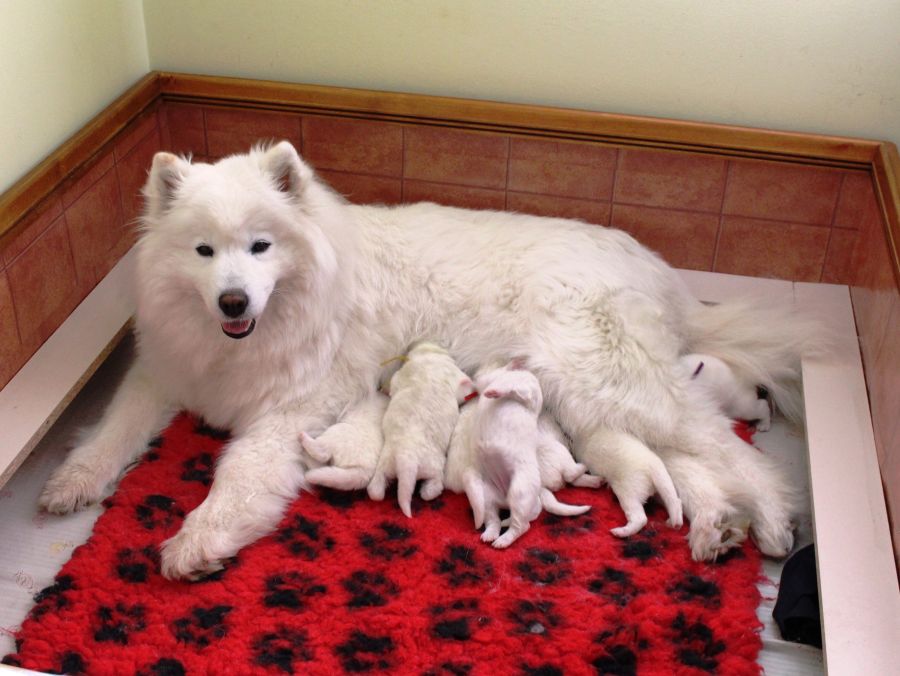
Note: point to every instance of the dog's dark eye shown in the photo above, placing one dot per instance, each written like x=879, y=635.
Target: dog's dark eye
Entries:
x=205, y=250
x=259, y=246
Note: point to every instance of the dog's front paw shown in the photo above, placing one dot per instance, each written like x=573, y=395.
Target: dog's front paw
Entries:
x=71, y=487
x=774, y=538
x=709, y=540
x=187, y=556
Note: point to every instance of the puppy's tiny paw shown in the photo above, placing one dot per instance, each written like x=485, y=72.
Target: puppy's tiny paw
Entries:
x=70, y=488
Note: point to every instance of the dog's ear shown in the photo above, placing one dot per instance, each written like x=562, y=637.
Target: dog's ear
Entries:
x=289, y=173
x=166, y=175
x=516, y=364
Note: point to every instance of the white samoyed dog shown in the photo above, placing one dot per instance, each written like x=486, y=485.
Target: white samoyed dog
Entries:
x=266, y=303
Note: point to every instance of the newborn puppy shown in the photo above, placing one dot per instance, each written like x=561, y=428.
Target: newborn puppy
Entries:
x=735, y=399
x=462, y=473
x=425, y=396
x=505, y=440
x=345, y=455
x=555, y=461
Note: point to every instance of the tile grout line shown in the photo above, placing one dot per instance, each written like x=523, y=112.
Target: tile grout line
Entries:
x=834, y=213
x=721, y=215
x=403, y=164
x=508, y=163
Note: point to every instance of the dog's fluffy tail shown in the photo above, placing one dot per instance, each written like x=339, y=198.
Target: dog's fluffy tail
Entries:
x=762, y=340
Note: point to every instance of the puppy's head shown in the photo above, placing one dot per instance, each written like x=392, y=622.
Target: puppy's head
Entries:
x=227, y=237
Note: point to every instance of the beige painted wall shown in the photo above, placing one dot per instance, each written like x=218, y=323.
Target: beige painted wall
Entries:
x=830, y=66
x=61, y=63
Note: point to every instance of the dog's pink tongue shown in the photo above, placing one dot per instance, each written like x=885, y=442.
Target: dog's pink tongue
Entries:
x=237, y=326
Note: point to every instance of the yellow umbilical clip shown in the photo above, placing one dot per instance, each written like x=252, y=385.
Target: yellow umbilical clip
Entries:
x=401, y=357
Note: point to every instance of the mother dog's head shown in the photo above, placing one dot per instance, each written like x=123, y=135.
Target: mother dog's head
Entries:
x=222, y=243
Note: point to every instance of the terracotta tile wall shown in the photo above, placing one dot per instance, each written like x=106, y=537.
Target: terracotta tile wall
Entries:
x=876, y=306
x=70, y=241
x=701, y=211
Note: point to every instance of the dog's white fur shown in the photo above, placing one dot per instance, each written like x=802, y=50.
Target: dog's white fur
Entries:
x=736, y=400
x=342, y=288
x=345, y=455
x=426, y=393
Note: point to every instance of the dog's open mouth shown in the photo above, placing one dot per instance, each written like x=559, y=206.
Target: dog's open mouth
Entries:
x=239, y=328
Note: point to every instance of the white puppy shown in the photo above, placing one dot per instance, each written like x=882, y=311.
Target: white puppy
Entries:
x=425, y=396
x=345, y=455
x=555, y=460
x=505, y=439
x=735, y=399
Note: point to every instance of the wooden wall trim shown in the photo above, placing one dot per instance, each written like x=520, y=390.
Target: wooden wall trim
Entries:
x=886, y=168
x=521, y=118
x=77, y=151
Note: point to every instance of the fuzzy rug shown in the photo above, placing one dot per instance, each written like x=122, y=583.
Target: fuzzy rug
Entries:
x=347, y=585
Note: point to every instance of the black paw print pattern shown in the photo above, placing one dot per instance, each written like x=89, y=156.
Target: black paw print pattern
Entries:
x=292, y=590
x=449, y=668
x=458, y=619
x=136, y=565
x=534, y=617
x=282, y=649
x=119, y=622
x=363, y=652
x=202, y=626
x=158, y=511
x=698, y=589
x=53, y=597
x=570, y=526
x=368, y=589
x=544, y=566
x=198, y=468
x=305, y=538
x=165, y=666
x=388, y=541
x=697, y=646
x=346, y=585
x=613, y=585
x=462, y=565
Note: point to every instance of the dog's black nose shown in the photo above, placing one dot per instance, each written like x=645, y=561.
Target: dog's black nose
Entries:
x=233, y=302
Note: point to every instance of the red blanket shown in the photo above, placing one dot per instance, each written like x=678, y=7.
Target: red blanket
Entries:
x=347, y=585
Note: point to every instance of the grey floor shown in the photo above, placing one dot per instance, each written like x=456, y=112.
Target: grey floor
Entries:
x=36, y=545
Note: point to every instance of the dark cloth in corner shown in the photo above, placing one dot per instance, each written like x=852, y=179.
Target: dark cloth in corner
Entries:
x=797, y=607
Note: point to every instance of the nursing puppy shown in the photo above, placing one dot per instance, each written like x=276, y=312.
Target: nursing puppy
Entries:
x=462, y=473
x=505, y=441
x=736, y=400
x=265, y=304
x=345, y=455
x=426, y=393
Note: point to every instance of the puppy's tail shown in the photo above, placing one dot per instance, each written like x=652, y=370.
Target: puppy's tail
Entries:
x=554, y=506
x=762, y=340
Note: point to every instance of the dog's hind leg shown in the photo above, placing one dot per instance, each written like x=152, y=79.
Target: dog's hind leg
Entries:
x=634, y=473
x=137, y=412
x=491, y=520
x=341, y=478
x=316, y=448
